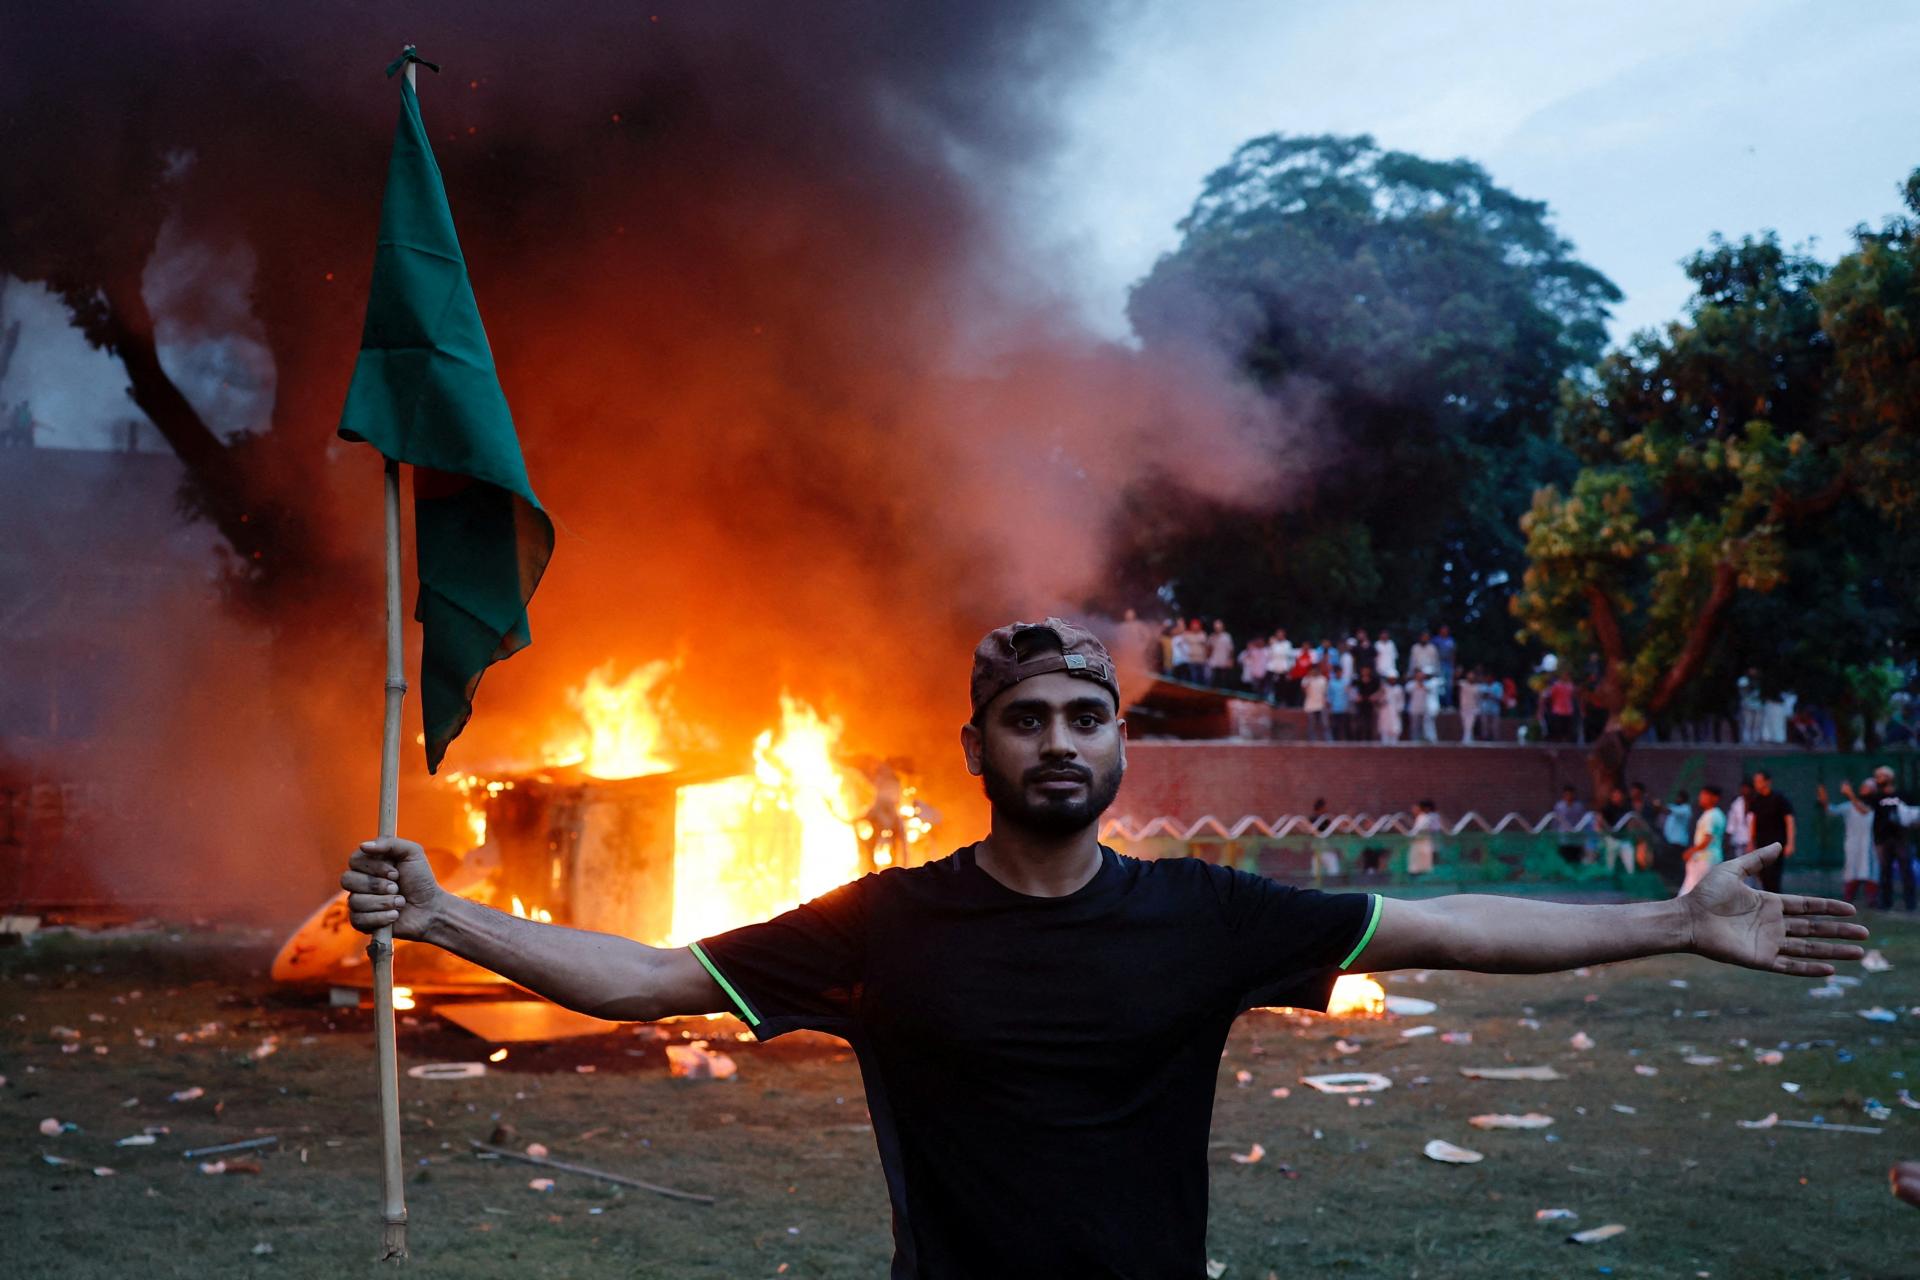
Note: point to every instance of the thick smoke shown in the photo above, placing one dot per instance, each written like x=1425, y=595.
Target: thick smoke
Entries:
x=800, y=401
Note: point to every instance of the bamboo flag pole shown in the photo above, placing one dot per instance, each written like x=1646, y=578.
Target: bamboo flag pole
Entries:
x=380, y=949
x=393, y=1241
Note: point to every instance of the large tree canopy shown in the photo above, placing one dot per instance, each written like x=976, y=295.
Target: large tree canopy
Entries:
x=1739, y=473
x=1419, y=319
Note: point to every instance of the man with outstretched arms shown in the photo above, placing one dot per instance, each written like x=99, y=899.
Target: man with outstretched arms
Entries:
x=1038, y=1019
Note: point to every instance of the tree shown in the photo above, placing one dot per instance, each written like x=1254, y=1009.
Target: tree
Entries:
x=1417, y=320
x=1750, y=442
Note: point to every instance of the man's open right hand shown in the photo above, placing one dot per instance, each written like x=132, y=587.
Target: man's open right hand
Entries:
x=390, y=883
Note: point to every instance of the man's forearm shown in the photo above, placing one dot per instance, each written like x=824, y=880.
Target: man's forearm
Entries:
x=593, y=973
x=1491, y=934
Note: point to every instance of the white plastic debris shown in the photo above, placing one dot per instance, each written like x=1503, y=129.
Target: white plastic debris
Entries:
x=1243, y=1078
x=1790, y=1086
x=1414, y=1033
x=1878, y=1014
x=1456, y=1037
x=1581, y=1040
x=1872, y=962
x=1447, y=1153
x=1215, y=1269
x=1555, y=1215
x=1531, y=1120
x=1348, y=1082
x=137, y=1140
x=1625, y=1110
x=540, y=1184
x=1770, y=1058
x=1642, y=1069
x=262, y=1249
x=50, y=1127
x=447, y=1071
x=1701, y=1060
x=1597, y=1234
x=1511, y=1073
x=1410, y=1006
x=1254, y=1155
x=187, y=1095
x=538, y=1150
x=697, y=1062
x=1281, y=1092
x=1828, y=992
x=1767, y=1121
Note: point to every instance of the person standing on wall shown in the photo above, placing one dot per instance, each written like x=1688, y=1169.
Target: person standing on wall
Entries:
x=1770, y=821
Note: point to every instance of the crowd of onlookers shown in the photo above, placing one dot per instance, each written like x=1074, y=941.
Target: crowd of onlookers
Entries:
x=1363, y=688
x=1366, y=688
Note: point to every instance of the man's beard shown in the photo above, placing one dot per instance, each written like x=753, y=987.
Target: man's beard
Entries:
x=1051, y=817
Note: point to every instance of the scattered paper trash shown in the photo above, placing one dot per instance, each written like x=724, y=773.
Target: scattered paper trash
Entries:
x=1642, y=1069
x=1843, y=980
x=1872, y=962
x=1348, y=1082
x=538, y=1150
x=1215, y=1269
x=1511, y=1073
x=187, y=1095
x=1447, y=1153
x=52, y=1128
x=1531, y=1120
x=1254, y=1155
x=1284, y=1092
x=213, y=1166
x=1876, y=1109
x=1414, y=1033
x=1581, y=1040
x=1345, y=1048
x=101, y=1171
x=1908, y=1100
x=1828, y=992
x=540, y=1184
x=1770, y=1058
x=697, y=1062
x=1678, y=984
x=1555, y=1215
x=1456, y=1037
x=1410, y=1006
x=1701, y=1060
x=1790, y=1086
x=1767, y=1121
x=137, y=1140
x=1624, y=1109
x=447, y=1071
x=262, y=1249
x=1878, y=1014
x=1597, y=1234
x=1243, y=1078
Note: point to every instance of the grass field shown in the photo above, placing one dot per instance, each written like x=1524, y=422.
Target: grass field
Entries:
x=1341, y=1189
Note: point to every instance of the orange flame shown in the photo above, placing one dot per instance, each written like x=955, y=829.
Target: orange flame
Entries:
x=622, y=731
x=1357, y=995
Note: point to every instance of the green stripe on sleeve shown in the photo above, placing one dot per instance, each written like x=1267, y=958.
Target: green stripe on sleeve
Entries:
x=747, y=1014
x=1373, y=922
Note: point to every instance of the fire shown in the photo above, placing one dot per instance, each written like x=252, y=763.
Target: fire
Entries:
x=749, y=847
x=474, y=791
x=538, y=914
x=403, y=997
x=1357, y=995
x=622, y=732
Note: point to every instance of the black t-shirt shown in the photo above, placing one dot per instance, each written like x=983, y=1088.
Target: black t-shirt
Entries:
x=1770, y=813
x=1040, y=1071
x=1886, y=817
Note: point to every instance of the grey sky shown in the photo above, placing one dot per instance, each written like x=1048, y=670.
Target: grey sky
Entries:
x=1646, y=126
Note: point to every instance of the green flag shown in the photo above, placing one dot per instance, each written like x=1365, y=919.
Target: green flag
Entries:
x=425, y=392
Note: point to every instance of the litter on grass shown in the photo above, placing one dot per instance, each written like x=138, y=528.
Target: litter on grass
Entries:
x=1828, y=992
x=1555, y=1215
x=1701, y=1060
x=1642, y=1069
x=447, y=1071
x=1348, y=1082
x=1581, y=1040
x=1767, y=1121
x=1254, y=1155
x=697, y=1062
x=540, y=1184
x=1771, y=1058
x=1531, y=1120
x=1447, y=1153
x=1878, y=1014
x=1414, y=1033
x=1597, y=1234
x=1511, y=1073
x=187, y=1095
x=1872, y=962
x=1410, y=1006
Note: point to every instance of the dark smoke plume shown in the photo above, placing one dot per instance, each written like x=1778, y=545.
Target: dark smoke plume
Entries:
x=798, y=397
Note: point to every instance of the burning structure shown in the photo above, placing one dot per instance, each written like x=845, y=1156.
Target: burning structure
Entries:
x=619, y=831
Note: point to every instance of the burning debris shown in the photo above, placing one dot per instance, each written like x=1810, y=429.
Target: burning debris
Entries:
x=634, y=827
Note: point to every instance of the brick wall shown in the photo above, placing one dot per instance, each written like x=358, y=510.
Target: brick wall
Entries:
x=1233, y=779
